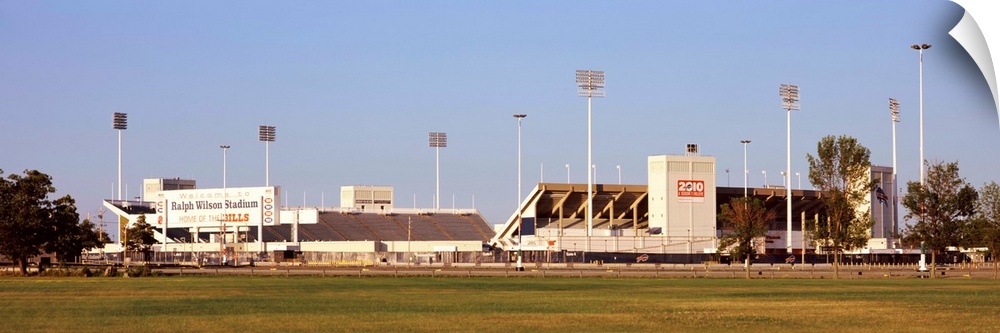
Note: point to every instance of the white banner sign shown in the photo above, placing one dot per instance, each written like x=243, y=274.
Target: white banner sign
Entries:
x=238, y=206
x=691, y=190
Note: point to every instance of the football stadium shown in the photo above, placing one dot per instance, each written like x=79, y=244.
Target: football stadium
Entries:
x=670, y=219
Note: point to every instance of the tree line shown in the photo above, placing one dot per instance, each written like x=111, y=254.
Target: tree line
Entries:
x=946, y=210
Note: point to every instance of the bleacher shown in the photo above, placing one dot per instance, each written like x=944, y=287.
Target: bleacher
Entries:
x=356, y=226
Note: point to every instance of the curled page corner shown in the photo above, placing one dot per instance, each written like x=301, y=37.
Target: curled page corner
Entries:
x=970, y=35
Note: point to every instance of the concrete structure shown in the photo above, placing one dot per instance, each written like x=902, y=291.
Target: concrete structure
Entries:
x=153, y=186
x=885, y=211
x=682, y=199
x=676, y=213
x=367, y=198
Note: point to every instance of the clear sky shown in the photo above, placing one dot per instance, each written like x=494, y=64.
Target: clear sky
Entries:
x=354, y=87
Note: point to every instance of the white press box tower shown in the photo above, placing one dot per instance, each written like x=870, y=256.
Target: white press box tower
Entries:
x=682, y=200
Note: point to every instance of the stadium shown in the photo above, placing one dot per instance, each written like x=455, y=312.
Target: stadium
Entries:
x=672, y=218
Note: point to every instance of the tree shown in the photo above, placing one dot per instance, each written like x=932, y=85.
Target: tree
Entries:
x=743, y=221
x=841, y=170
x=984, y=228
x=70, y=237
x=139, y=236
x=23, y=214
x=31, y=224
x=942, y=208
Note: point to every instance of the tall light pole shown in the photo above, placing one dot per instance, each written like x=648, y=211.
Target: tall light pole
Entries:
x=894, y=111
x=266, y=134
x=920, y=48
x=520, y=223
x=438, y=140
x=746, y=171
x=225, y=194
x=590, y=84
x=120, y=123
x=789, y=101
x=619, y=167
x=519, y=117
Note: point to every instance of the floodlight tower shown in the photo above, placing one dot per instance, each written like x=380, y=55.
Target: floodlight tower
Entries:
x=438, y=140
x=266, y=134
x=894, y=111
x=590, y=84
x=920, y=48
x=789, y=101
x=120, y=123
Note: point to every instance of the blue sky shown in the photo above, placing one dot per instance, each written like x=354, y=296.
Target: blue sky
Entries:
x=354, y=87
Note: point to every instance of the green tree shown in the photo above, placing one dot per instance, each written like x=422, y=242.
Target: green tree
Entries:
x=841, y=170
x=23, y=214
x=139, y=236
x=70, y=237
x=743, y=221
x=31, y=224
x=942, y=207
x=984, y=228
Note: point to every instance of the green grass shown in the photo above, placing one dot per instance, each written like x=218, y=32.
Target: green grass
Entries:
x=277, y=304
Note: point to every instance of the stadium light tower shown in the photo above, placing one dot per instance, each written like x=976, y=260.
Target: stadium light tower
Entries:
x=920, y=48
x=520, y=223
x=266, y=134
x=590, y=84
x=120, y=123
x=746, y=171
x=894, y=111
x=438, y=140
x=789, y=101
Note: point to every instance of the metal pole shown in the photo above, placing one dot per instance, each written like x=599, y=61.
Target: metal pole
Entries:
x=409, y=228
x=591, y=83
x=920, y=48
x=790, y=100
x=520, y=222
x=222, y=221
x=894, y=111
x=619, y=167
x=267, y=182
x=590, y=179
x=746, y=171
x=922, y=182
x=119, y=165
x=437, y=195
x=788, y=182
x=567, y=173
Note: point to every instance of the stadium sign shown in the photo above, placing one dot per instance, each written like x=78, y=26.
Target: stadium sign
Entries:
x=691, y=190
x=238, y=206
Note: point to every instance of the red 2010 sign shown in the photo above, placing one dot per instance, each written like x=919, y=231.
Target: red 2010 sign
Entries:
x=691, y=190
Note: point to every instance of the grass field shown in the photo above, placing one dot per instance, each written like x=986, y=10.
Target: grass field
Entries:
x=278, y=304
